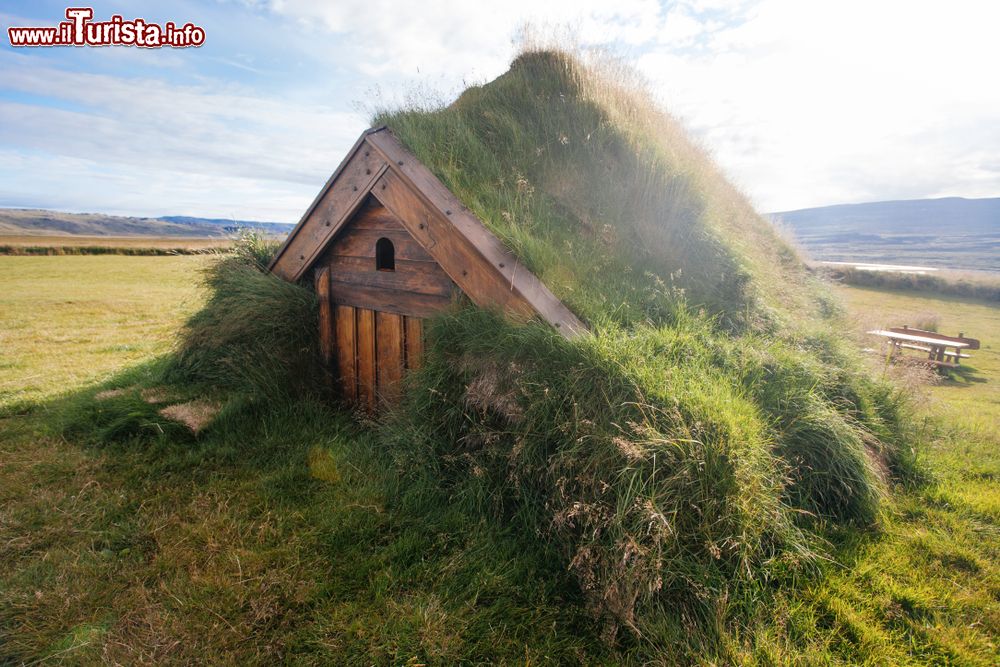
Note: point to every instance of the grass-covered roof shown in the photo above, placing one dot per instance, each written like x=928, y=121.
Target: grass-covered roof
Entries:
x=603, y=195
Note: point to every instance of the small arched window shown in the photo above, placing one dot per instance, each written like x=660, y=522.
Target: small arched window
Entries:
x=385, y=255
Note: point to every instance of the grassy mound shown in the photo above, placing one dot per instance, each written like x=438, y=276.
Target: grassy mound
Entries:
x=679, y=460
x=652, y=474
x=604, y=197
x=685, y=453
x=257, y=333
x=673, y=467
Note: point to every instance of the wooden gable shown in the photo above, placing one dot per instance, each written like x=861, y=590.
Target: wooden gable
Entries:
x=379, y=169
x=388, y=246
x=414, y=285
x=376, y=284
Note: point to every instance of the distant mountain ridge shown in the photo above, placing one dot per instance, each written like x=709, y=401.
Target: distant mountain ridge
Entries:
x=908, y=216
x=951, y=232
x=270, y=227
x=40, y=222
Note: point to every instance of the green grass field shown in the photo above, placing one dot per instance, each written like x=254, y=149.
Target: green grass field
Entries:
x=26, y=245
x=970, y=397
x=68, y=321
x=284, y=539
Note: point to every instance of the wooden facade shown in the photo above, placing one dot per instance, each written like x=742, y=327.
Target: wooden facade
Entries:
x=388, y=246
x=376, y=284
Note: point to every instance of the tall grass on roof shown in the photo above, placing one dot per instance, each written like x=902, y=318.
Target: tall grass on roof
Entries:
x=600, y=193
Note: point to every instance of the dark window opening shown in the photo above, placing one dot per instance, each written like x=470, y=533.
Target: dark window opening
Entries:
x=385, y=255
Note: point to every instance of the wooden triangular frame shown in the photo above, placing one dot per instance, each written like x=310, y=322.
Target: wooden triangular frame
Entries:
x=486, y=271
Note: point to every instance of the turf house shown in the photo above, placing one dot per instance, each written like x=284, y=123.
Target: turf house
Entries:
x=576, y=330
x=388, y=246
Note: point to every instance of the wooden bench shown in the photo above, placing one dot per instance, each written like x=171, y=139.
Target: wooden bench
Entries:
x=960, y=342
x=970, y=343
x=910, y=346
x=934, y=344
x=939, y=364
x=922, y=348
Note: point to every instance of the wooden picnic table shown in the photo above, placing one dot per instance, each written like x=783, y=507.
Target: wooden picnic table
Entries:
x=936, y=346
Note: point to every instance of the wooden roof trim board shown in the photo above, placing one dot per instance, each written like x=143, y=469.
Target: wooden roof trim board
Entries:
x=475, y=259
x=340, y=198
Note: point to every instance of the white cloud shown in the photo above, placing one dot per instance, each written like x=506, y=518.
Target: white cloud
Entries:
x=29, y=180
x=802, y=102
x=809, y=103
x=463, y=39
x=183, y=134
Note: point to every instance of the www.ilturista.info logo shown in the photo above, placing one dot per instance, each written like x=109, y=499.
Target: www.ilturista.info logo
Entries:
x=79, y=30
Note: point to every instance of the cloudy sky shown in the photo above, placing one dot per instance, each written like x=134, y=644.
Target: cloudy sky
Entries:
x=802, y=102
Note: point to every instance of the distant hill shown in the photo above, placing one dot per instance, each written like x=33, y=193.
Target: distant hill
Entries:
x=952, y=232
x=38, y=222
x=269, y=227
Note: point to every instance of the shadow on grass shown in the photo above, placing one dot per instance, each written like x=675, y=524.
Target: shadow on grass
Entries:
x=963, y=376
x=278, y=532
x=283, y=531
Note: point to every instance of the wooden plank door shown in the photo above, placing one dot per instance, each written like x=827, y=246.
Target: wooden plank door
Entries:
x=370, y=352
x=367, y=363
x=390, y=362
x=367, y=350
x=345, y=345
